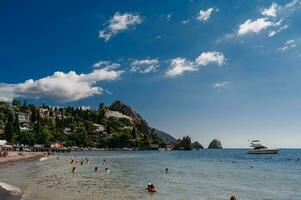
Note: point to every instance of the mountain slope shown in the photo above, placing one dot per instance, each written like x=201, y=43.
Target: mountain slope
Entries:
x=165, y=136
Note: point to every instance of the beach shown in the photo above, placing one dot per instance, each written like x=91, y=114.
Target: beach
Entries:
x=7, y=191
x=202, y=175
x=14, y=156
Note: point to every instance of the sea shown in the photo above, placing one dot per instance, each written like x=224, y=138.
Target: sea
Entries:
x=192, y=175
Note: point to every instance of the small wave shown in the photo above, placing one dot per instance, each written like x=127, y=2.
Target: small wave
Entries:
x=13, y=190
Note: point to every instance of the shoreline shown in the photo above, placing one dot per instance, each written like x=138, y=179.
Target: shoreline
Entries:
x=15, y=156
x=11, y=192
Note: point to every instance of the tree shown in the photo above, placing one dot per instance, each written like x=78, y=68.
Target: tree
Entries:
x=16, y=103
x=43, y=135
x=17, y=125
x=27, y=138
x=34, y=114
x=9, y=128
x=134, y=132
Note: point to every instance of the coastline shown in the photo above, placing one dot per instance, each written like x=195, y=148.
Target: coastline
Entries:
x=15, y=156
x=10, y=192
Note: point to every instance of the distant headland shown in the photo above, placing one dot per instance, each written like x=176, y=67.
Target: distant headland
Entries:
x=110, y=127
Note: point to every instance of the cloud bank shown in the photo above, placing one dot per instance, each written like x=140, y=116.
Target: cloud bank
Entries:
x=62, y=87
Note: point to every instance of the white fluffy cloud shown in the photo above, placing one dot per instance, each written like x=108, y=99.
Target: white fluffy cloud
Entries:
x=273, y=19
x=145, y=66
x=256, y=26
x=119, y=22
x=288, y=45
x=210, y=57
x=271, y=11
x=180, y=65
x=62, y=87
x=204, y=15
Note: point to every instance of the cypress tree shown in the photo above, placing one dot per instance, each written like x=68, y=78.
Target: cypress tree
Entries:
x=9, y=128
x=17, y=125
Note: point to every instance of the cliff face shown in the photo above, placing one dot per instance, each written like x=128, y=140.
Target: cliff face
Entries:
x=140, y=123
x=126, y=110
x=215, y=144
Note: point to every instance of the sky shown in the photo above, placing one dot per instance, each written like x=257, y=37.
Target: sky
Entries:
x=208, y=69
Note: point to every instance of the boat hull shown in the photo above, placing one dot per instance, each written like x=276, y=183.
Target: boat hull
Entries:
x=263, y=151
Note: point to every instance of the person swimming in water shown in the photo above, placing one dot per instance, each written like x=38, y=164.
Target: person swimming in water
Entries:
x=73, y=170
x=151, y=187
x=233, y=197
x=166, y=170
x=81, y=163
x=96, y=169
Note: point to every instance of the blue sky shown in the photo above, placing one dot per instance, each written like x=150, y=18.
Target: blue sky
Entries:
x=209, y=69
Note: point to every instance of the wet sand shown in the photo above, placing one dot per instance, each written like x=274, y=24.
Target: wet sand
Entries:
x=5, y=195
x=14, y=156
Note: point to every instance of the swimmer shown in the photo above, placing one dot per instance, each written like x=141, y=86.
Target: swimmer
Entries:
x=73, y=170
x=151, y=187
x=107, y=170
x=166, y=170
x=95, y=169
x=72, y=161
x=233, y=197
x=81, y=163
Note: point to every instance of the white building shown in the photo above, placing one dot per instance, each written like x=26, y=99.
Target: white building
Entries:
x=23, y=117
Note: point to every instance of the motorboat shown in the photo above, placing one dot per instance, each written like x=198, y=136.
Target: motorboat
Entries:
x=258, y=148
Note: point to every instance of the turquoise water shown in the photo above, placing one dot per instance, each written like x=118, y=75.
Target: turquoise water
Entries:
x=205, y=174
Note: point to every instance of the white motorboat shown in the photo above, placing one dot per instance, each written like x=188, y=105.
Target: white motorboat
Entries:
x=260, y=149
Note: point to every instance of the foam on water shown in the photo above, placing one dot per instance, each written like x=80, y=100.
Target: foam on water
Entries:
x=44, y=158
x=13, y=190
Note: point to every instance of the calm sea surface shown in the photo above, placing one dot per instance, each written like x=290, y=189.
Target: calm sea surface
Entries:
x=205, y=174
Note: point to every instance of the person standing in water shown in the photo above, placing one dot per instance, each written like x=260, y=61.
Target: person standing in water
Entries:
x=73, y=170
x=233, y=197
x=151, y=188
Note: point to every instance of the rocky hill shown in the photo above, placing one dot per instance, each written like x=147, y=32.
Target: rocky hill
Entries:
x=215, y=144
x=139, y=122
x=168, y=139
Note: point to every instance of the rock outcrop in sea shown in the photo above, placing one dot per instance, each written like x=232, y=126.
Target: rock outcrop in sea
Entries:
x=215, y=144
x=196, y=145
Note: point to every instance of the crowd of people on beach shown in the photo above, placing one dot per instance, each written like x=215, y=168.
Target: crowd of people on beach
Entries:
x=3, y=154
